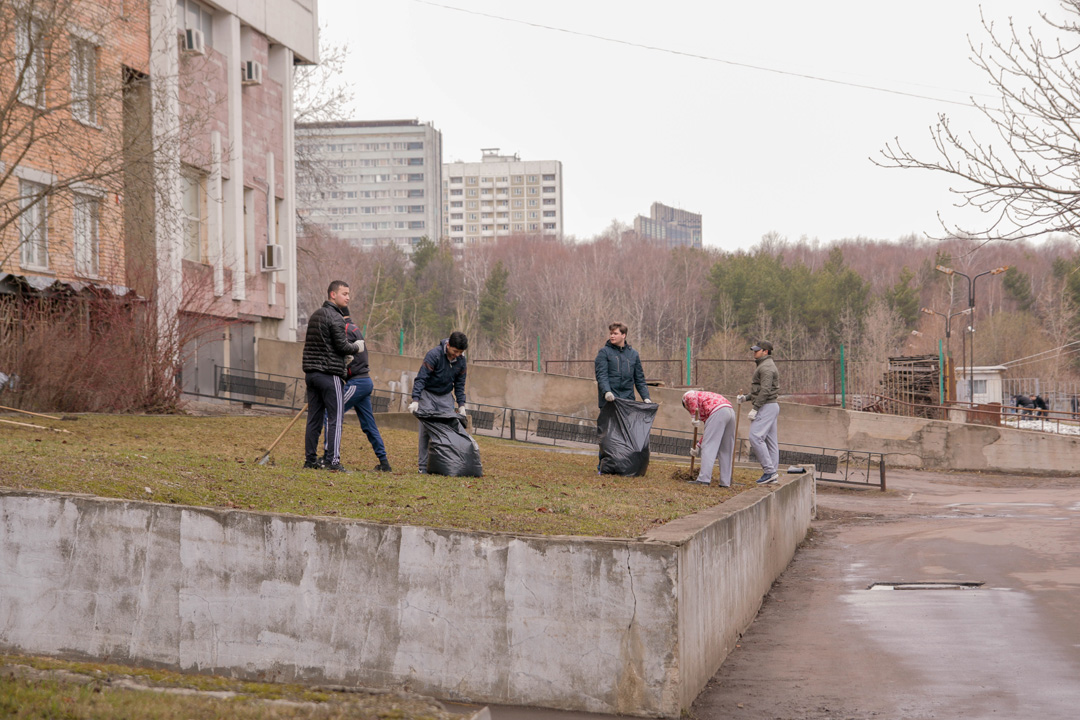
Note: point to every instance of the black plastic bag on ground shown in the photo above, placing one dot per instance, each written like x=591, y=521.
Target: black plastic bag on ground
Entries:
x=624, y=427
x=451, y=449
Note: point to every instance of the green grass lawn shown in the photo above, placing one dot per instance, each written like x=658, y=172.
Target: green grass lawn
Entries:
x=210, y=461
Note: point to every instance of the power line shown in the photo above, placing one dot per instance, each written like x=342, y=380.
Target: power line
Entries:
x=1020, y=361
x=696, y=56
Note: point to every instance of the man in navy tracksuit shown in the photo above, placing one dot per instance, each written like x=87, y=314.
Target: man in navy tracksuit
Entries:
x=439, y=382
x=325, y=348
x=357, y=395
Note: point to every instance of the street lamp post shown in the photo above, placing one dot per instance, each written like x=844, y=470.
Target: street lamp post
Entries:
x=971, y=308
x=948, y=323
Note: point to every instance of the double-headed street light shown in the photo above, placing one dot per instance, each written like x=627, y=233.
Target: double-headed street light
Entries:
x=948, y=318
x=971, y=309
x=948, y=334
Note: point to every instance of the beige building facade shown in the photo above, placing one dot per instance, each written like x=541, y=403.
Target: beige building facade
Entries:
x=372, y=183
x=500, y=196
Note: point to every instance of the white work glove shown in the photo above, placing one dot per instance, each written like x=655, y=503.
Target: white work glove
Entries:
x=695, y=451
x=359, y=347
x=740, y=398
x=697, y=423
x=461, y=409
x=752, y=414
x=609, y=396
x=413, y=407
x=647, y=401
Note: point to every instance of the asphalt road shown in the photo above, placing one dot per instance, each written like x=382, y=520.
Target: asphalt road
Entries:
x=827, y=644
x=988, y=625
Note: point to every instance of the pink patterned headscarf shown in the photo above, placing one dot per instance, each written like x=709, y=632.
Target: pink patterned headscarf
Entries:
x=702, y=404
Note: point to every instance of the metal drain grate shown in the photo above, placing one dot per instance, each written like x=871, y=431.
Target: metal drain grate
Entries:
x=930, y=585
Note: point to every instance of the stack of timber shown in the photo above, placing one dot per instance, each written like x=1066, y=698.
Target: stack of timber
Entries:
x=912, y=385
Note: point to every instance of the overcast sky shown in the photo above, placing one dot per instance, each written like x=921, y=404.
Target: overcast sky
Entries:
x=754, y=151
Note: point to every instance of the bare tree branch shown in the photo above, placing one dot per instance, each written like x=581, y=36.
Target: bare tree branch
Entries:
x=1026, y=180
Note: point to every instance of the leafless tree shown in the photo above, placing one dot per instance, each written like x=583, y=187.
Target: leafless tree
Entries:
x=321, y=94
x=1026, y=180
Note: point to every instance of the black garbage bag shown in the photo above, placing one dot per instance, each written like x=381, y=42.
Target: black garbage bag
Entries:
x=451, y=449
x=624, y=427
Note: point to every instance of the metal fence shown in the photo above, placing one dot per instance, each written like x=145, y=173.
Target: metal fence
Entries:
x=671, y=373
x=811, y=381
x=500, y=362
x=995, y=414
x=539, y=427
x=1060, y=395
x=835, y=465
x=256, y=388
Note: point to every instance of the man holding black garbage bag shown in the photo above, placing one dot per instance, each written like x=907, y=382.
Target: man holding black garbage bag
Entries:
x=439, y=382
x=618, y=369
x=618, y=374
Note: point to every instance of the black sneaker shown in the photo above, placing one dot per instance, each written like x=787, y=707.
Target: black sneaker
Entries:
x=768, y=478
x=335, y=467
x=383, y=466
x=312, y=465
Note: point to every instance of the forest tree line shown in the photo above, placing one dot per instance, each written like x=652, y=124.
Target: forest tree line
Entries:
x=808, y=298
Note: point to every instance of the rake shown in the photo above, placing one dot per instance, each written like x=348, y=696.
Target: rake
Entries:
x=266, y=456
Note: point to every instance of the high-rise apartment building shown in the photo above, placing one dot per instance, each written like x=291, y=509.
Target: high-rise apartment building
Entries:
x=372, y=182
x=500, y=196
x=671, y=226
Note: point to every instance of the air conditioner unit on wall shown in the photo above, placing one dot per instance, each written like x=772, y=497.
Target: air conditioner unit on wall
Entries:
x=251, y=72
x=191, y=41
x=273, y=258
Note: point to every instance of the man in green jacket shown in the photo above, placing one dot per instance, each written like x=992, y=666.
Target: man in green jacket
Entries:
x=764, y=390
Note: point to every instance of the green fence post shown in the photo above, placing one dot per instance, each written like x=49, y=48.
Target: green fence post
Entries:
x=843, y=380
x=688, y=358
x=940, y=374
x=539, y=365
x=401, y=342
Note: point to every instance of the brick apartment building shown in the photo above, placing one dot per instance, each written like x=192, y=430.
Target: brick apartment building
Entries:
x=163, y=164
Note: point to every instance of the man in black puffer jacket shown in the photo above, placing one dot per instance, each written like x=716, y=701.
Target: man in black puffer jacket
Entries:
x=326, y=349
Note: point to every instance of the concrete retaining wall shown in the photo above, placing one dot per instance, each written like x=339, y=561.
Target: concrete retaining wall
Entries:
x=603, y=625
x=909, y=442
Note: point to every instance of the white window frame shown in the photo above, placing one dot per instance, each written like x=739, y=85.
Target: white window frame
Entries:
x=83, y=80
x=86, y=235
x=191, y=14
x=30, y=54
x=33, y=226
x=194, y=215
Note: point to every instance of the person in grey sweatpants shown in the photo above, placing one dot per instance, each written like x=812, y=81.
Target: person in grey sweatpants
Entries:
x=712, y=411
x=764, y=390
